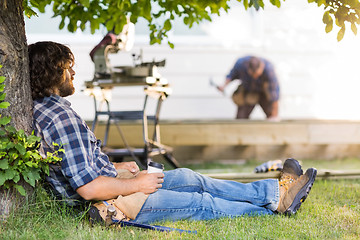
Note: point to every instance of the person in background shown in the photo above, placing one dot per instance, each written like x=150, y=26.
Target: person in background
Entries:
x=259, y=85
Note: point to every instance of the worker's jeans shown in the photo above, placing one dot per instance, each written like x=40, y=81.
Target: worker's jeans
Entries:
x=189, y=195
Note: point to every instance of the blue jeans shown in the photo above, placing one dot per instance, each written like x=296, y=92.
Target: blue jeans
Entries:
x=186, y=194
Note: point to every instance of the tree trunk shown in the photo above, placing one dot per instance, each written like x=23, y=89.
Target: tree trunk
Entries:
x=10, y=199
x=14, y=59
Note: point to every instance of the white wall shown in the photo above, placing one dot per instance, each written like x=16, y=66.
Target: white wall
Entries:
x=319, y=77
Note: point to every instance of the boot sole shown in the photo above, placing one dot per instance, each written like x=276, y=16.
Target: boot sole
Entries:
x=293, y=164
x=302, y=194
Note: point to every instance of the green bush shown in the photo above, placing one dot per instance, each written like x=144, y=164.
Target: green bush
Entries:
x=19, y=155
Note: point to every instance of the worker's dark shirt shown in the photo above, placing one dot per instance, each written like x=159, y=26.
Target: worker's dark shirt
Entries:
x=250, y=84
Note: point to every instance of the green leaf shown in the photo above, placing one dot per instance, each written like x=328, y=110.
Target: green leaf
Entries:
x=167, y=25
x=186, y=20
x=321, y=2
x=2, y=96
x=29, y=177
x=341, y=34
x=31, y=164
x=337, y=22
x=329, y=27
x=276, y=3
x=10, y=145
x=354, y=28
x=20, y=148
x=45, y=169
x=4, y=104
x=82, y=26
x=4, y=163
x=14, y=156
x=2, y=178
x=257, y=4
x=146, y=10
x=36, y=174
x=32, y=139
x=10, y=129
x=71, y=27
x=16, y=178
x=10, y=174
x=246, y=4
x=62, y=24
x=20, y=189
x=29, y=12
x=171, y=45
x=36, y=156
x=21, y=134
x=85, y=3
x=4, y=121
x=94, y=25
x=2, y=132
x=2, y=79
x=327, y=18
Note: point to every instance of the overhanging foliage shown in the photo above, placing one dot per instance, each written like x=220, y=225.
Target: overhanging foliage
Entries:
x=80, y=14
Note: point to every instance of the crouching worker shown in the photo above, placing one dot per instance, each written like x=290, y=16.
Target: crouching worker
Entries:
x=85, y=172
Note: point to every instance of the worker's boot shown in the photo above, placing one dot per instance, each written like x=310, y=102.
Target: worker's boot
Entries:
x=294, y=189
x=292, y=168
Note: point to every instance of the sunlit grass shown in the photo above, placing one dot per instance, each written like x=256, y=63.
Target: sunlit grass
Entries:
x=332, y=211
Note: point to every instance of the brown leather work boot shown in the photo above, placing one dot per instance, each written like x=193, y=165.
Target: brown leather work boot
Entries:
x=294, y=190
x=291, y=167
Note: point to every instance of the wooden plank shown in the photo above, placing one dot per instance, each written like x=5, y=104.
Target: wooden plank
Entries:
x=250, y=177
x=338, y=132
x=235, y=134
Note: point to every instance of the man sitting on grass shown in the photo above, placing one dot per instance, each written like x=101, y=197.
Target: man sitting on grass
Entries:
x=85, y=172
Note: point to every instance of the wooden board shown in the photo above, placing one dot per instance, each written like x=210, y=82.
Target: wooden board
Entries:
x=250, y=177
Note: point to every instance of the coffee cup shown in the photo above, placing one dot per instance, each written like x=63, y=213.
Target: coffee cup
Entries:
x=154, y=167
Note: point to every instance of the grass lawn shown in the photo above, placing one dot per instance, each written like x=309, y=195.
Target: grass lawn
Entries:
x=332, y=211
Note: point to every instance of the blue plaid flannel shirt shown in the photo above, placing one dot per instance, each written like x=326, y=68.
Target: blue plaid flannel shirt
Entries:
x=83, y=161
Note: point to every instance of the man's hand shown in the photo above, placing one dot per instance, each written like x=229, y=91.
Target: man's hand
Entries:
x=149, y=182
x=131, y=166
x=274, y=117
x=221, y=88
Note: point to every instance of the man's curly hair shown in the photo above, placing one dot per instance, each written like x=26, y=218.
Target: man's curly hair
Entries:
x=47, y=61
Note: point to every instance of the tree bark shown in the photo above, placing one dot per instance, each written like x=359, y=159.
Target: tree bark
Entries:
x=11, y=199
x=14, y=59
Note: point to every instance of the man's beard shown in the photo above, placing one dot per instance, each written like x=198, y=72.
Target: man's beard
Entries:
x=66, y=89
